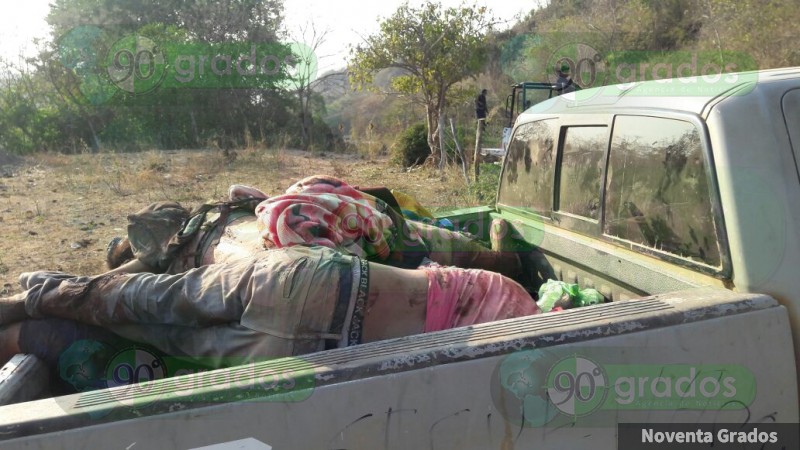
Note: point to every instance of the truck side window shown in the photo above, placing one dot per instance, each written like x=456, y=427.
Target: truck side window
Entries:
x=529, y=167
x=582, y=161
x=657, y=188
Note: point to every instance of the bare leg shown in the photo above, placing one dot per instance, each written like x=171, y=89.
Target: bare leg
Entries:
x=404, y=302
x=132, y=266
x=9, y=341
x=12, y=309
x=396, y=302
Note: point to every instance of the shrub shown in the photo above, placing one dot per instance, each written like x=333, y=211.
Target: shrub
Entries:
x=485, y=190
x=412, y=146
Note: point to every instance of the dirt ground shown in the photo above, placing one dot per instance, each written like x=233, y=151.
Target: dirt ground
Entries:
x=58, y=212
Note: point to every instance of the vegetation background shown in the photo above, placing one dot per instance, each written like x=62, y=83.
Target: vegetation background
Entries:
x=42, y=108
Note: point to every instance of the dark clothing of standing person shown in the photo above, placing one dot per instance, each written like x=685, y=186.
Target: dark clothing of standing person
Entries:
x=480, y=105
x=564, y=83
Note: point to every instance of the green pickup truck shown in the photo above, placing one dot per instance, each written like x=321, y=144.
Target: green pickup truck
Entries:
x=678, y=200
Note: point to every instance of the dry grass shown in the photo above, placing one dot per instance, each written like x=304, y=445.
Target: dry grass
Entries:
x=58, y=212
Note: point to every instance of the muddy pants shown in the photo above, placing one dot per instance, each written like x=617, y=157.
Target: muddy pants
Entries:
x=284, y=302
x=452, y=248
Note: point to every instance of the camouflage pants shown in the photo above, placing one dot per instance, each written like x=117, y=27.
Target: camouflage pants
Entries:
x=284, y=302
x=451, y=248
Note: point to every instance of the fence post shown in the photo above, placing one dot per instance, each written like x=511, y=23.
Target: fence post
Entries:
x=476, y=160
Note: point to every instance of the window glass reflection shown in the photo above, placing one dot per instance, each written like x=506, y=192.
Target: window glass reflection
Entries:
x=657, y=188
x=581, y=170
x=529, y=168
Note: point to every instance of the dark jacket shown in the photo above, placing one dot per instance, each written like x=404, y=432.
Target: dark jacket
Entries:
x=480, y=106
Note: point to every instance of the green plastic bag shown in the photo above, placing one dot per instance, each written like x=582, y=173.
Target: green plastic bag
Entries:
x=588, y=297
x=553, y=294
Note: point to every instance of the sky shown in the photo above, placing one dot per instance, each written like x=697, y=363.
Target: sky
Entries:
x=20, y=23
x=346, y=22
x=349, y=21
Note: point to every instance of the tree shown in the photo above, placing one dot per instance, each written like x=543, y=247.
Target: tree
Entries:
x=87, y=35
x=305, y=82
x=435, y=47
x=764, y=30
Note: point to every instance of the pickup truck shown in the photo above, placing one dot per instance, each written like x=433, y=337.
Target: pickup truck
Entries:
x=678, y=200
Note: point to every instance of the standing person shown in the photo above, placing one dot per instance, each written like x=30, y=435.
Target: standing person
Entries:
x=564, y=83
x=481, y=107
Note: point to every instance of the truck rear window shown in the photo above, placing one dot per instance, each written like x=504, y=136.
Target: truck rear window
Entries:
x=530, y=167
x=581, y=171
x=657, y=190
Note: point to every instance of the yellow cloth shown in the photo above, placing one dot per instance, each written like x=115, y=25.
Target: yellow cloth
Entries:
x=409, y=203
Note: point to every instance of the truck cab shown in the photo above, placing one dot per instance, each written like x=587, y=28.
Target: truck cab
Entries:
x=678, y=200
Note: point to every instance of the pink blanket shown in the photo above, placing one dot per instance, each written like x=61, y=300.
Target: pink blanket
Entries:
x=325, y=211
x=460, y=297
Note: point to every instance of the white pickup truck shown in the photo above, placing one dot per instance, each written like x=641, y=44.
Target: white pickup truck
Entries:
x=678, y=200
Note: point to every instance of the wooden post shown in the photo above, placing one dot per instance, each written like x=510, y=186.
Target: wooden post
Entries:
x=461, y=155
x=476, y=160
x=442, y=150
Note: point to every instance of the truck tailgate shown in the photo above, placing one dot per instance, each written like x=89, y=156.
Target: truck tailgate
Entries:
x=558, y=380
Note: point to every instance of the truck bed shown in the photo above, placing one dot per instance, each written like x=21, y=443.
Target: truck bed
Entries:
x=452, y=389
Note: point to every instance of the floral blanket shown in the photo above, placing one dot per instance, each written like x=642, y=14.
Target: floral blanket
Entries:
x=323, y=210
